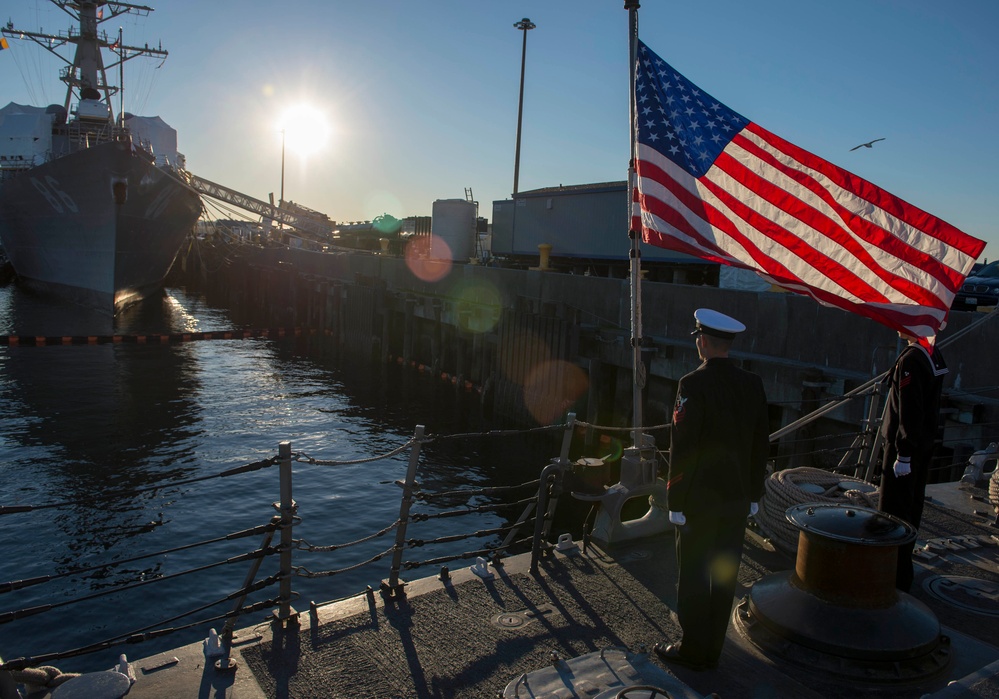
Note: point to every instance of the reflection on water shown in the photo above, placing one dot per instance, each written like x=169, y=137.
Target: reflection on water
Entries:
x=114, y=417
x=99, y=425
x=23, y=313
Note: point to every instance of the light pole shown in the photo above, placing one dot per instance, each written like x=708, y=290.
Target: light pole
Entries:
x=525, y=25
x=281, y=201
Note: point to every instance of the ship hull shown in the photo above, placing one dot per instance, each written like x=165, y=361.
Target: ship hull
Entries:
x=100, y=227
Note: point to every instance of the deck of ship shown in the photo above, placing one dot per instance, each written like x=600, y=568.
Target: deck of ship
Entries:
x=470, y=636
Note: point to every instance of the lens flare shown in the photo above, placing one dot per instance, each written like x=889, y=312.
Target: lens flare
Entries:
x=428, y=258
x=725, y=568
x=551, y=389
x=479, y=305
x=611, y=448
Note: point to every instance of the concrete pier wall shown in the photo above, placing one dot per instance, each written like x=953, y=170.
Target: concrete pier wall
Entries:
x=538, y=344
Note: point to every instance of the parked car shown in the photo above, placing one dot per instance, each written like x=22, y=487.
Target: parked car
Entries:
x=981, y=288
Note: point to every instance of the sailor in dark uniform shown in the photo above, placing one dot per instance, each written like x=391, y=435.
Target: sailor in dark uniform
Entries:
x=909, y=429
x=718, y=453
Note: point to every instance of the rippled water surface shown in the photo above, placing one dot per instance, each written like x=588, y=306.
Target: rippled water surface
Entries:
x=92, y=428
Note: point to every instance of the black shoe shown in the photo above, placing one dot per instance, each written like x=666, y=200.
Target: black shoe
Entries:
x=671, y=654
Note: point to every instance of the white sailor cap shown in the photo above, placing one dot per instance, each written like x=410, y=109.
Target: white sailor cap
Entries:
x=717, y=324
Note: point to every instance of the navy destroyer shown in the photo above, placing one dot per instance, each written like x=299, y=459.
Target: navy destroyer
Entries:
x=93, y=207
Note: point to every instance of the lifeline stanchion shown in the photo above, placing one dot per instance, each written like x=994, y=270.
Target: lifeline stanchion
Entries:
x=563, y=462
x=393, y=585
x=287, y=508
x=548, y=493
x=549, y=474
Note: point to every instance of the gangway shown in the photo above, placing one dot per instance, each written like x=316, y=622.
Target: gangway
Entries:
x=301, y=219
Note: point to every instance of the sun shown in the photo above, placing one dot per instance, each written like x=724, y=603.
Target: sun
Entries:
x=305, y=128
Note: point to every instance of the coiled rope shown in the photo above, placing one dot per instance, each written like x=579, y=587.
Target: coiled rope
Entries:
x=994, y=488
x=783, y=489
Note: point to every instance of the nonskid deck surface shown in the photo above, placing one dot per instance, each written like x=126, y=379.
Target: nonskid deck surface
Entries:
x=470, y=637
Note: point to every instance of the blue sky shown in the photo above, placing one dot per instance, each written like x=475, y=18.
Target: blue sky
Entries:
x=421, y=97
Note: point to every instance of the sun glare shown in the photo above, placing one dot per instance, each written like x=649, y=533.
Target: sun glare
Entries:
x=306, y=129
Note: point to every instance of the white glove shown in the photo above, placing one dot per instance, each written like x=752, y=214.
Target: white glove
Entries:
x=677, y=518
x=754, y=507
x=902, y=467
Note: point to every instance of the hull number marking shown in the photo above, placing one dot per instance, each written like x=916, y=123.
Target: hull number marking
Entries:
x=58, y=199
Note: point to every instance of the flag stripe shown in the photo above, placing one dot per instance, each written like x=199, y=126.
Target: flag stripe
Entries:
x=913, y=216
x=885, y=230
x=691, y=211
x=920, y=320
x=813, y=250
x=713, y=184
x=822, y=230
x=664, y=210
x=712, y=199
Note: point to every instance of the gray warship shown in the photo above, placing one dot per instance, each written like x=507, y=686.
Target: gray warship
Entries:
x=94, y=206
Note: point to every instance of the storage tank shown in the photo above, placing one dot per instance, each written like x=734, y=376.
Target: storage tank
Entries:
x=453, y=225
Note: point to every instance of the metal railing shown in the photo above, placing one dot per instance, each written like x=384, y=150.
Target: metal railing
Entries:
x=541, y=497
x=530, y=531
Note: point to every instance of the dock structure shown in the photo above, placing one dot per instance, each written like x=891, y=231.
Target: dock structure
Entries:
x=534, y=345
x=493, y=631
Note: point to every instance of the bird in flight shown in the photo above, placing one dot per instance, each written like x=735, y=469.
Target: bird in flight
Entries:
x=869, y=144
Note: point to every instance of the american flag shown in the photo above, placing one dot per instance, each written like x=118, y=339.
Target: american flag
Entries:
x=713, y=184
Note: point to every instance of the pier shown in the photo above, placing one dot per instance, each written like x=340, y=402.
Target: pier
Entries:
x=532, y=345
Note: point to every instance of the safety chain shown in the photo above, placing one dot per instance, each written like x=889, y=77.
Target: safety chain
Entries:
x=428, y=439
x=303, y=545
x=113, y=494
x=410, y=565
x=416, y=543
x=610, y=428
x=305, y=458
x=40, y=660
x=242, y=592
x=303, y=572
x=19, y=584
x=430, y=497
x=425, y=516
x=8, y=617
x=501, y=433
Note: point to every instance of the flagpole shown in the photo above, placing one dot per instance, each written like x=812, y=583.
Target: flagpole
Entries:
x=636, y=252
x=121, y=81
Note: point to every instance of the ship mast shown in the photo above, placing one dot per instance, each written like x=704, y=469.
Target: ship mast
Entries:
x=86, y=75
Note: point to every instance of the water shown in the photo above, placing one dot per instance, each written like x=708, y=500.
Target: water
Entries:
x=97, y=425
